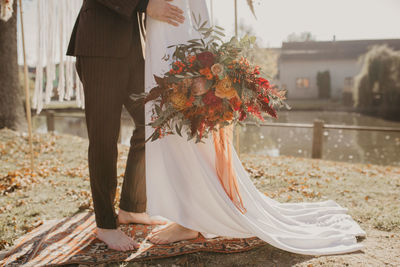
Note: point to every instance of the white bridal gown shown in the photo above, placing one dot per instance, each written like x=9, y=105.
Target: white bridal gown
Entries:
x=182, y=184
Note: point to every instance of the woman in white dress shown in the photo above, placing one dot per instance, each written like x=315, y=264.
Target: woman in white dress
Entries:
x=182, y=183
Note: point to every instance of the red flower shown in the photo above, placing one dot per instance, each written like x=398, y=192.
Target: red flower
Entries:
x=190, y=101
x=211, y=99
x=270, y=110
x=243, y=115
x=236, y=103
x=264, y=99
x=255, y=111
x=207, y=59
x=264, y=83
x=177, y=67
x=191, y=59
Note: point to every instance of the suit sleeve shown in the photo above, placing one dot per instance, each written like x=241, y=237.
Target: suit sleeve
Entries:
x=125, y=8
x=142, y=6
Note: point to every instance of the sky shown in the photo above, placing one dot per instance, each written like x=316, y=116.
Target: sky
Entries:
x=276, y=19
x=346, y=19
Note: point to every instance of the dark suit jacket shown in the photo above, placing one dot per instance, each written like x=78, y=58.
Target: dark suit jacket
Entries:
x=107, y=28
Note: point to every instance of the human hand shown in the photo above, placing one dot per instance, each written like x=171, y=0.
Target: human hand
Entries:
x=164, y=11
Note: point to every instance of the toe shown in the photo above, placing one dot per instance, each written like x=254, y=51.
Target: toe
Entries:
x=118, y=248
x=163, y=241
x=125, y=246
x=130, y=244
x=133, y=245
x=155, y=231
x=154, y=239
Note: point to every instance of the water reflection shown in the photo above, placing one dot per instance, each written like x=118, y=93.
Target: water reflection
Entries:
x=340, y=145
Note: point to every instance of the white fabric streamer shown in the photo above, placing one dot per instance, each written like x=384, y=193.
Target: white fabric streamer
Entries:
x=50, y=67
x=55, y=23
x=61, y=75
x=6, y=9
x=68, y=67
x=37, y=97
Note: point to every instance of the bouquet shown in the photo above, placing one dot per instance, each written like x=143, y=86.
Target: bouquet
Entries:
x=209, y=86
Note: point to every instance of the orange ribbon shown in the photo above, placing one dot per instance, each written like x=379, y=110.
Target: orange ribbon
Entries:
x=224, y=167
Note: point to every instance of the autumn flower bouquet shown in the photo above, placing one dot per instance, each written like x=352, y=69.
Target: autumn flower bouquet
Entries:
x=210, y=85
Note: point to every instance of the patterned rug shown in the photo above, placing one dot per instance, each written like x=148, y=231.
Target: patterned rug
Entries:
x=72, y=241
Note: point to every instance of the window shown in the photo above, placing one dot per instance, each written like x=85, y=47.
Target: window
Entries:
x=302, y=82
x=348, y=84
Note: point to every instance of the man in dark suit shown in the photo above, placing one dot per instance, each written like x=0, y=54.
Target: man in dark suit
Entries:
x=107, y=43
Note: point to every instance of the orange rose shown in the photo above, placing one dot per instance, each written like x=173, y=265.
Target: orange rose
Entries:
x=224, y=89
x=217, y=69
x=207, y=73
x=178, y=100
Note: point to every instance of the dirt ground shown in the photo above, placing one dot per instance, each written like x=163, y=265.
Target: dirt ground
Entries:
x=59, y=187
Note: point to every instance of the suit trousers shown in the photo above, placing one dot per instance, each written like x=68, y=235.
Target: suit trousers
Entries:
x=107, y=84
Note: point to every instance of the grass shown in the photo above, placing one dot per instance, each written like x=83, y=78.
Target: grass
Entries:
x=59, y=187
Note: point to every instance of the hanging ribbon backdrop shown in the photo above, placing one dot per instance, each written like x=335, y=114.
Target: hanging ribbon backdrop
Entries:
x=55, y=23
x=6, y=9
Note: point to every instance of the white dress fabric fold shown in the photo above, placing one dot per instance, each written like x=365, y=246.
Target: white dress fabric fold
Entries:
x=182, y=183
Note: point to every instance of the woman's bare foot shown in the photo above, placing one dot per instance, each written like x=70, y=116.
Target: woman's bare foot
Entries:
x=116, y=239
x=173, y=233
x=125, y=217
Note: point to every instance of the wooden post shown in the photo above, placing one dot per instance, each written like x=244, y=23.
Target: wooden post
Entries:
x=26, y=86
x=317, y=139
x=50, y=121
x=212, y=12
x=236, y=19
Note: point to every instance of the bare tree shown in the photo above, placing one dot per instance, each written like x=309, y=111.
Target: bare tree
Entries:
x=11, y=104
x=301, y=37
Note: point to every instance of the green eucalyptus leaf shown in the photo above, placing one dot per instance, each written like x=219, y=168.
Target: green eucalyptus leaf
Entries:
x=220, y=33
x=178, y=130
x=155, y=136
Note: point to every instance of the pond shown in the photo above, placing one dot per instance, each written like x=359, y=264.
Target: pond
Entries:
x=339, y=145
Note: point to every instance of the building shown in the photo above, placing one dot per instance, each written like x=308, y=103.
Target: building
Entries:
x=300, y=63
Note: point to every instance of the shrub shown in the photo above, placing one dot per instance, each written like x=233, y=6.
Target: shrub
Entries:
x=378, y=84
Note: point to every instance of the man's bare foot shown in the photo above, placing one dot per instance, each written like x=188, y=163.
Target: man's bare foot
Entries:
x=116, y=239
x=173, y=233
x=125, y=217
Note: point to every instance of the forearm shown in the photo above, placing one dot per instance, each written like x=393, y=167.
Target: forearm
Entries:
x=125, y=8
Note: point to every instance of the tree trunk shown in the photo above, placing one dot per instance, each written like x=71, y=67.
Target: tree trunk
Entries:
x=11, y=103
